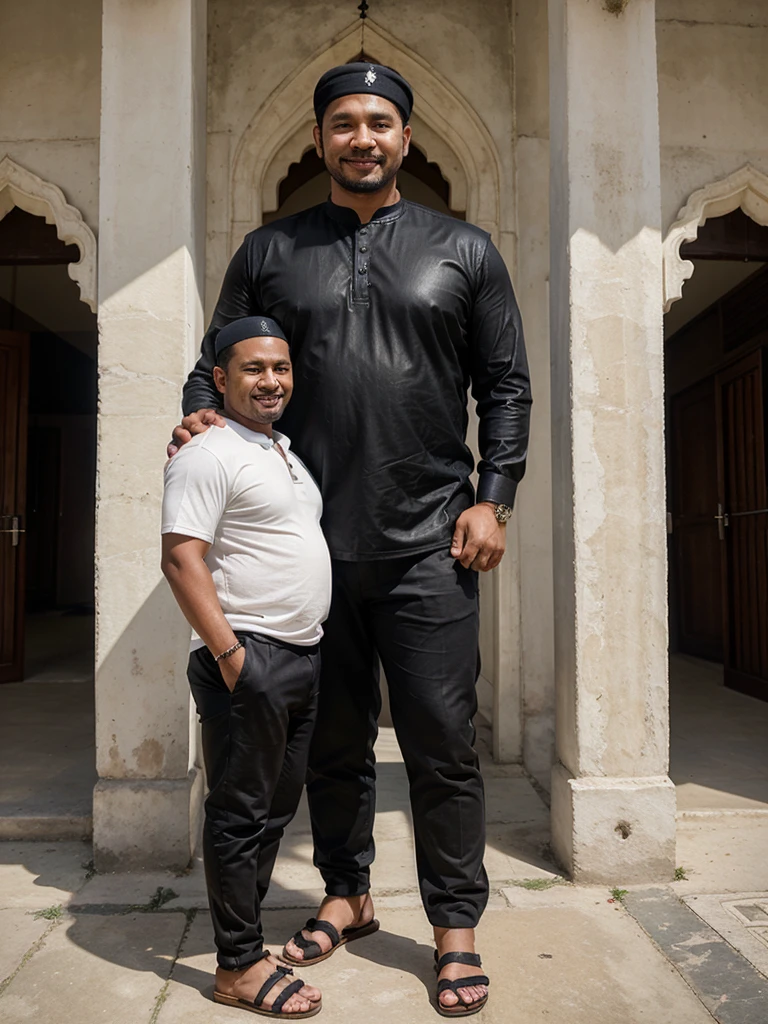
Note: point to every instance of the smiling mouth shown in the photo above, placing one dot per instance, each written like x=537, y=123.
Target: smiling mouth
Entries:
x=268, y=400
x=368, y=164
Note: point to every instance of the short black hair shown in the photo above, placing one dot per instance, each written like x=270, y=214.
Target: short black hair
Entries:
x=224, y=357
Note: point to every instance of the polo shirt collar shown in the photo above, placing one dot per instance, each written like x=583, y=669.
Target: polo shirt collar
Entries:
x=345, y=215
x=256, y=437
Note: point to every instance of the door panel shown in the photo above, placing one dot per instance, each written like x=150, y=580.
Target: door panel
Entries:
x=745, y=498
x=14, y=370
x=696, y=548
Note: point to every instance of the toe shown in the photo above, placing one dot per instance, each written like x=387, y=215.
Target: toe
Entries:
x=293, y=950
x=311, y=993
x=448, y=998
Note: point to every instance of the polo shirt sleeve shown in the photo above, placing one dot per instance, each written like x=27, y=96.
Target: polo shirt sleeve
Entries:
x=195, y=494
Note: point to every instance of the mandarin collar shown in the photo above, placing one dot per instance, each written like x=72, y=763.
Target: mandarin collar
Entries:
x=346, y=215
x=256, y=437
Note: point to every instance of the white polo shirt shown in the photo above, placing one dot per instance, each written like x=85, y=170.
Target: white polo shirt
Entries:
x=268, y=558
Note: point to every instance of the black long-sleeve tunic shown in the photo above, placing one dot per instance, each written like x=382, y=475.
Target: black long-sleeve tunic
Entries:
x=388, y=323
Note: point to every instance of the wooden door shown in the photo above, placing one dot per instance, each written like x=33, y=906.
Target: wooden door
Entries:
x=741, y=412
x=696, y=550
x=14, y=371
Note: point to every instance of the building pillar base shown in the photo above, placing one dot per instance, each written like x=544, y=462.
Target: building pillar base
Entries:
x=614, y=831
x=146, y=824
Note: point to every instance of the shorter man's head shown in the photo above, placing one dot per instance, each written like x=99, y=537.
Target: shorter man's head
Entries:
x=253, y=371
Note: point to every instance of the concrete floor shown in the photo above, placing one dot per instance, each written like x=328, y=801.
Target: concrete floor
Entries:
x=563, y=955
x=719, y=742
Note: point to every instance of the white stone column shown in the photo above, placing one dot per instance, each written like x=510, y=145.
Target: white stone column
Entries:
x=613, y=806
x=151, y=248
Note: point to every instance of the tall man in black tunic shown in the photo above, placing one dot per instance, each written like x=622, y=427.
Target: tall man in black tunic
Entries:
x=394, y=309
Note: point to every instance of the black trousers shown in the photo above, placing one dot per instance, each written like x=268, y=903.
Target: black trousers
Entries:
x=255, y=746
x=420, y=614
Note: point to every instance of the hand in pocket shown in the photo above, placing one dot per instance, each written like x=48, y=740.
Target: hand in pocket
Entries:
x=231, y=668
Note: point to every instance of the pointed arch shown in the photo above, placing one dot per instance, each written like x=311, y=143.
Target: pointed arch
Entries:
x=449, y=132
x=746, y=189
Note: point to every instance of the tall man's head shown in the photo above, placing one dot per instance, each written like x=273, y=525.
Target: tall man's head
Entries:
x=253, y=371
x=362, y=130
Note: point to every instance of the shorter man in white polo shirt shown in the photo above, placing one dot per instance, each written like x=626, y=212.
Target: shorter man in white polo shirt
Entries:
x=248, y=564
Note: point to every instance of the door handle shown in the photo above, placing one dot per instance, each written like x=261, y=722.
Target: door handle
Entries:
x=15, y=529
x=722, y=521
x=752, y=512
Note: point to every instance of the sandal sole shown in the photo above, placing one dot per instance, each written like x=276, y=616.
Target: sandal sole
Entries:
x=365, y=930
x=465, y=1011
x=240, y=1004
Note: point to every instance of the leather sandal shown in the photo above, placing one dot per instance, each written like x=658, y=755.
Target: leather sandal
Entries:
x=282, y=998
x=313, y=954
x=461, y=1009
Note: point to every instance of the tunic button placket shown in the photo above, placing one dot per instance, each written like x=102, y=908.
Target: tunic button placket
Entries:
x=360, y=279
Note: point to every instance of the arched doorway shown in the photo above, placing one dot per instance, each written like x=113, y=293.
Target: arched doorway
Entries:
x=716, y=374
x=48, y=347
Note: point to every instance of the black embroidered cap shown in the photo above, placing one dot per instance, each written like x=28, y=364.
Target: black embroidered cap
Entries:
x=350, y=79
x=248, y=327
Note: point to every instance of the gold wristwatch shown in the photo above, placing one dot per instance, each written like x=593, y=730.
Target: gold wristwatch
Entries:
x=502, y=513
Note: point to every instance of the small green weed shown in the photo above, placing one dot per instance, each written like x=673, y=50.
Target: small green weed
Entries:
x=617, y=895
x=52, y=913
x=538, y=884
x=681, y=875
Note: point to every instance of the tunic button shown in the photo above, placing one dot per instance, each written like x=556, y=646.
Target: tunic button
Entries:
x=363, y=269
x=363, y=248
x=363, y=231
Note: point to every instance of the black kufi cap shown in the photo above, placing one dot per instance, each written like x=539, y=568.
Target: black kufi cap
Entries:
x=248, y=327
x=350, y=79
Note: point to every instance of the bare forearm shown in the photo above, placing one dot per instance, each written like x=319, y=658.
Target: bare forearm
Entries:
x=195, y=593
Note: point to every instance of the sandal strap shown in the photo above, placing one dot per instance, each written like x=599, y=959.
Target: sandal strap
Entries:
x=456, y=983
x=286, y=994
x=469, y=959
x=313, y=925
x=305, y=944
x=277, y=975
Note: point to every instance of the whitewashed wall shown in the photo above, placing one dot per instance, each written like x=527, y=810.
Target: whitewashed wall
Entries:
x=713, y=93
x=50, y=66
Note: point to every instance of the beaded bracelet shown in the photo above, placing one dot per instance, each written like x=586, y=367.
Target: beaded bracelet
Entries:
x=229, y=651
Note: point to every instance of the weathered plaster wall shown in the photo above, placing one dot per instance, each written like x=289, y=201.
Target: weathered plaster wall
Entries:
x=50, y=95
x=713, y=89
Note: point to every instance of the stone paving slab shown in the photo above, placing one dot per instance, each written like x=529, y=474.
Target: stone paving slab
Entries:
x=19, y=931
x=94, y=969
x=741, y=919
x=723, y=854
x=35, y=875
x=726, y=983
x=587, y=963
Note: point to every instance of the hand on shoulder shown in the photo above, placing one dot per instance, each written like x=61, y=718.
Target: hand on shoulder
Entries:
x=196, y=423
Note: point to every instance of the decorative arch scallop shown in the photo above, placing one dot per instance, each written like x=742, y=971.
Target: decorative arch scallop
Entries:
x=20, y=187
x=745, y=189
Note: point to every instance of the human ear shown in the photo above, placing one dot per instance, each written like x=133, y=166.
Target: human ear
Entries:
x=219, y=379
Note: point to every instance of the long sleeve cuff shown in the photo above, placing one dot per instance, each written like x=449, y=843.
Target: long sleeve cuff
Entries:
x=497, y=488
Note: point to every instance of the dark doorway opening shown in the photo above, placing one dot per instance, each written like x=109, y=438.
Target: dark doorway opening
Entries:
x=49, y=457
x=717, y=405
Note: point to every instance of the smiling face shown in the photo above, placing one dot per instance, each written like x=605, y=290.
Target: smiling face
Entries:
x=362, y=142
x=256, y=381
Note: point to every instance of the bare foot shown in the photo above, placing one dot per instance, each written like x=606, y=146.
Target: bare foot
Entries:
x=246, y=984
x=461, y=940
x=340, y=911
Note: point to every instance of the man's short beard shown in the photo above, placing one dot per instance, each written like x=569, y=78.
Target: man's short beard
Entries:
x=361, y=186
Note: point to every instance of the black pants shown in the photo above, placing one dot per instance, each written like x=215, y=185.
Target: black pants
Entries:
x=255, y=745
x=421, y=615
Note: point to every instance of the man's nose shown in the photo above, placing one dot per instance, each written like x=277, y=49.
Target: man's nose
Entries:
x=362, y=138
x=268, y=381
